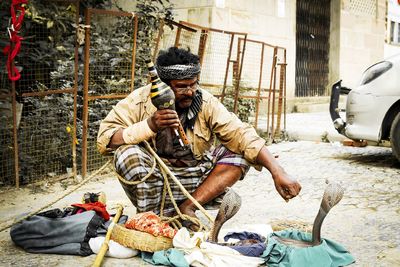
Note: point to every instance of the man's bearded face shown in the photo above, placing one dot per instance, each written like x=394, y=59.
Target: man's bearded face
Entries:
x=185, y=91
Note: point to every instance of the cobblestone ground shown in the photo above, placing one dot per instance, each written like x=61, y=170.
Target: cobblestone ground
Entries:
x=366, y=221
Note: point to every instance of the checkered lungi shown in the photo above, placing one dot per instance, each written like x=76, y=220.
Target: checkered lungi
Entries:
x=133, y=162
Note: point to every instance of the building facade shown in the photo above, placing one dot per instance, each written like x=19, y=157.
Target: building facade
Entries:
x=325, y=40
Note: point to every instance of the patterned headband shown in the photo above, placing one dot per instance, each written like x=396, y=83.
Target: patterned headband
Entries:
x=178, y=72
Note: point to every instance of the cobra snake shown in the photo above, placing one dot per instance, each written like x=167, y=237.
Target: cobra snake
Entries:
x=231, y=203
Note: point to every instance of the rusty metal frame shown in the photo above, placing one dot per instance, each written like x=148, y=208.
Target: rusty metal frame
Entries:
x=272, y=88
x=202, y=48
x=179, y=26
x=282, y=83
x=259, y=86
x=235, y=103
x=272, y=85
x=195, y=26
x=15, y=129
x=228, y=60
x=202, y=45
x=86, y=97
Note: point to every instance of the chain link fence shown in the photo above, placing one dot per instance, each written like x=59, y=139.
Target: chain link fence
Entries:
x=77, y=68
x=109, y=73
x=263, y=85
x=43, y=99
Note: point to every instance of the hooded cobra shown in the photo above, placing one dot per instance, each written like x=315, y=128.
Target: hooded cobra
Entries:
x=232, y=202
x=230, y=205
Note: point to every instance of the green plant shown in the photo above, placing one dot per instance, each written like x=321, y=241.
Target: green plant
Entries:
x=246, y=107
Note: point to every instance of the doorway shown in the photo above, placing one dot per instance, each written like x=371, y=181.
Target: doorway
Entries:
x=312, y=47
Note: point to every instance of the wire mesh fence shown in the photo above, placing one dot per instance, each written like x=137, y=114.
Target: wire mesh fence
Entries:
x=216, y=49
x=57, y=107
x=6, y=138
x=44, y=137
x=176, y=34
x=109, y=73
x=6, y=112
x=45, y=93
x=263, y=85
x=7, y=173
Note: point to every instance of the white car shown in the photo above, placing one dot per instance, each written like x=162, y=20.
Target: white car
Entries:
x=373, y=107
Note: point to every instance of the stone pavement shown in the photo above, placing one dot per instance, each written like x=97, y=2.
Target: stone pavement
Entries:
x=366, y=221
x=308, y=126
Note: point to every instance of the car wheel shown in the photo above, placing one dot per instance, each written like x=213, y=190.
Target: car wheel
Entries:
x=395, y=136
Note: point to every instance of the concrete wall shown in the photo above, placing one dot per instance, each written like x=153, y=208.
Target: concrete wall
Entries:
x=362, y=38
x=334, y=43
x=271, y=21
x=357, y=30
x=393, y=15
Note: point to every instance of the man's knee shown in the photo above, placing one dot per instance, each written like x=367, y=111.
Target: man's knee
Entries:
x=129, y=157
x=228, y=173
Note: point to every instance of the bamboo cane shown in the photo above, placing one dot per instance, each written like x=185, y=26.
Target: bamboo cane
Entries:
x=104, y=246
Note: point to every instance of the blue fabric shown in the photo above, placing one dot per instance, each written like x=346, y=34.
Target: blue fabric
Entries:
x=244, y=235
x=328, y=253
x=251, y=250
x=171, y=257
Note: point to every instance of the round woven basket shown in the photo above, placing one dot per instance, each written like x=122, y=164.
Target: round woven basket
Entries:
x=140, y=240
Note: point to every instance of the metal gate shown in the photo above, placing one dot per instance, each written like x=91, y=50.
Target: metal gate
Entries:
x=312, y=47
x=109, y=73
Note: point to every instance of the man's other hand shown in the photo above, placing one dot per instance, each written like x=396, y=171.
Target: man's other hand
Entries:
x=286, y=186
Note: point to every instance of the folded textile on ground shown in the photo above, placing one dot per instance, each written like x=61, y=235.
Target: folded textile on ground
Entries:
x=115, y=250
x=250, y=244
x=170, y=257
x=198, y=252
x=328, y=253
x=98, y=207
x=68, y=235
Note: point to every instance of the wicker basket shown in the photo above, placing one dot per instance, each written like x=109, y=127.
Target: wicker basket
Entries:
x=140, y=240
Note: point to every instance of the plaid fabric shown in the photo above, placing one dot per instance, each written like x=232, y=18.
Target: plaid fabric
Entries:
x=133, y=162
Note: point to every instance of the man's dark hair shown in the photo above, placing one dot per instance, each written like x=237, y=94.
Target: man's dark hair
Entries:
x=175, y=56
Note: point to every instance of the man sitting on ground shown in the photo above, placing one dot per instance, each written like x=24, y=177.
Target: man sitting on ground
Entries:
x=203, y=171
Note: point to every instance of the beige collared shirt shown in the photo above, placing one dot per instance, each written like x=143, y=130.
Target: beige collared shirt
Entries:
x=213, y=119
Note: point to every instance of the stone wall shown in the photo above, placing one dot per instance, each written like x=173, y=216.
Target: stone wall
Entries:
x=362, y=37
x=357, y=30
x=270, y=21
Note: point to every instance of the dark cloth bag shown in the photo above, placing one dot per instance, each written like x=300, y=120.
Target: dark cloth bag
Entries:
x=58, y=235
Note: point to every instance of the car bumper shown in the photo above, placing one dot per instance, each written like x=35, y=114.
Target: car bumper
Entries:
x=338, y=122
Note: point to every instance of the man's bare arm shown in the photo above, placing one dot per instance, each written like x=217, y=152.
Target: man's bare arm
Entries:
x=286, y=186
x=117, y=139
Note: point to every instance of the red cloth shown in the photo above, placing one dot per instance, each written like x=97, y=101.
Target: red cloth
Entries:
x=17, y=16
x=98, y=207
x=150, y=223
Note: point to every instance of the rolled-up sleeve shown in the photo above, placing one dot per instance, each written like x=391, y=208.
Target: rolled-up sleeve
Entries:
x=118, y=118
x=130, y=113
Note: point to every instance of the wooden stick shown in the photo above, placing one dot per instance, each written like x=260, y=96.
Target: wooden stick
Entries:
x=104, y=246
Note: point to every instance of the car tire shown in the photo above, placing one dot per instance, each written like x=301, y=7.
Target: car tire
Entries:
x=395, y=136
